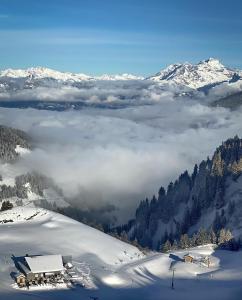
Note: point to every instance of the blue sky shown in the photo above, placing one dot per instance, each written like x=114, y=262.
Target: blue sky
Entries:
x=109, y=36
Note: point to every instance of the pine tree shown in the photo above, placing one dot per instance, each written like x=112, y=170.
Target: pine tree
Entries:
x=222, y=237
x=174, y=245
x=184, y=241
x=226, y=239
x=166, y=247
x=162, y=192
x=229, y=239
x=193, y=240
x=213, y=237
x=6, y=205
x=194, y=174
x=202, y=237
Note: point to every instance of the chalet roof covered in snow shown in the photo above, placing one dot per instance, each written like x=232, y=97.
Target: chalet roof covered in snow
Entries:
x=44, y=263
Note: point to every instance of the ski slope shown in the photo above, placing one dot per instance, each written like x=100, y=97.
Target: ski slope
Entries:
x=112, y=269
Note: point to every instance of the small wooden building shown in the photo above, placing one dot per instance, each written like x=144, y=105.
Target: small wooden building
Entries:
x=188, y=258
x=39, y=269
x=20, y=279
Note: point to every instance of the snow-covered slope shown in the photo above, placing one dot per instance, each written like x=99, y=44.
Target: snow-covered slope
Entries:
x=71, y=237
x=110, y=268
x=205, y=73
x=37, y=231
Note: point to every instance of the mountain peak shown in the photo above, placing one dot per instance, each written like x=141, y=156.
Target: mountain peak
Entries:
x=208, y=72
x=212, y=62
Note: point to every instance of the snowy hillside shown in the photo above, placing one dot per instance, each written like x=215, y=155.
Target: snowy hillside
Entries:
x=44, y=232
x=205, y=73
x=54, y=229
x=21, y=188
x=110, y=268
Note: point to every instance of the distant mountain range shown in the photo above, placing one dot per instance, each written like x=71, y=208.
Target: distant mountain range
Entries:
x=43, y=88
x=194, y=76
x=40, y=73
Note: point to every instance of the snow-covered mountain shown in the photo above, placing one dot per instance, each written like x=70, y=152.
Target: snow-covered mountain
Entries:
x=40, y=73
x=206, y=73
x=43, y=88
x=44, y=73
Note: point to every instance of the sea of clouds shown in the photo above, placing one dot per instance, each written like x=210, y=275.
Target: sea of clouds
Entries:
x=119, y=156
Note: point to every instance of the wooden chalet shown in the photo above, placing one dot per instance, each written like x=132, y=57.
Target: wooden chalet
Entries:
x=39, y=269
x=188, y=258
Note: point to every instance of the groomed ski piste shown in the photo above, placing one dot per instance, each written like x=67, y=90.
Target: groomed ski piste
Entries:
x=108, y=268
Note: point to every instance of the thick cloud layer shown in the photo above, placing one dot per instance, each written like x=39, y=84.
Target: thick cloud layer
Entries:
x=122, y=92
x=103, y=156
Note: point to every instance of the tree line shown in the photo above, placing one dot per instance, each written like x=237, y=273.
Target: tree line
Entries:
x=223, y=239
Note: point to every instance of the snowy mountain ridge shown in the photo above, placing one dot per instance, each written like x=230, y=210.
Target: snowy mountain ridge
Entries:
x=41, y=73
x=195, y=76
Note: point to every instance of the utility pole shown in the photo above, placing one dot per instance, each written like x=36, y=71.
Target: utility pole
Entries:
x=172, y=280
